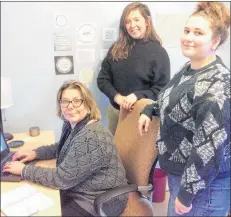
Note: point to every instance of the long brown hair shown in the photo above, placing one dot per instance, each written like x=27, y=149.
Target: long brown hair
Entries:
x=219, y=17
x=124, y=44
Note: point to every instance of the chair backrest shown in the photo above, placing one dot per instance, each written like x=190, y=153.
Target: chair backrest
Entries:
x=137, y=153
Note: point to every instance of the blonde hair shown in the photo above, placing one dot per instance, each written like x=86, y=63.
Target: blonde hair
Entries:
x=124, y=44
x=87, y=97
x=219, y=17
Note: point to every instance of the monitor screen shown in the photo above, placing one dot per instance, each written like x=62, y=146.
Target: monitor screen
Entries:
x=3, y=143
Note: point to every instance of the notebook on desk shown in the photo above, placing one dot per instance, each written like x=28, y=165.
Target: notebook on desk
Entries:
x=6, y=156
x=24, y=200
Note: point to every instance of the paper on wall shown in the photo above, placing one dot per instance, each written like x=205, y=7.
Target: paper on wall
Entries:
x=64, y=65
x=86, y=75
x=109, y=34
x=85, y=55
x=60, y=20
x=62, y=42
x=85, y=33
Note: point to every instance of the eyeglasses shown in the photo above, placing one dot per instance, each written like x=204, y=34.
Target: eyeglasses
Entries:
x=64, y=103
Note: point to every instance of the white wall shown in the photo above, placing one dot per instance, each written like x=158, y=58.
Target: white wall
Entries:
x=27, y=54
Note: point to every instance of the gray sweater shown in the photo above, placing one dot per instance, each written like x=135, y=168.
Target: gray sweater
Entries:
x=89, y=164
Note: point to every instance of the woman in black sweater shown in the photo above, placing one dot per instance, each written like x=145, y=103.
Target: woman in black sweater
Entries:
x=136, y=66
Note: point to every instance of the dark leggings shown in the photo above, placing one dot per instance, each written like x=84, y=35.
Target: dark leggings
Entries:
x=70, y=207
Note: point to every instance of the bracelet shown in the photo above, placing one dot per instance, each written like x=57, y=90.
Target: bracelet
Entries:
x=22, y=171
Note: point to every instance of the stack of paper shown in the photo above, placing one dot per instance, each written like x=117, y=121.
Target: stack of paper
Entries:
x=24, y=201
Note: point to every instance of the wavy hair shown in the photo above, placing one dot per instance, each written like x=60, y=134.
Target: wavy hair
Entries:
x=122, y=47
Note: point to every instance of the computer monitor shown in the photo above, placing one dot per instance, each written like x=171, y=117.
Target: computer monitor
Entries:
x=3, y=143
x=4, y=147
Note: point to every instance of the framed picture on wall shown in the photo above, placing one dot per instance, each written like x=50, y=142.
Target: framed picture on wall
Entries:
x=64, y=65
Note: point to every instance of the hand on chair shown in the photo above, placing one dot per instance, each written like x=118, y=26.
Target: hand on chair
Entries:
x=119, y=99
x=143, y=124
x=129, y=101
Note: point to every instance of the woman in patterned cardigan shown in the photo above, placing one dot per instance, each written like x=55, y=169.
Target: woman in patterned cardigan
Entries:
x=87, y=160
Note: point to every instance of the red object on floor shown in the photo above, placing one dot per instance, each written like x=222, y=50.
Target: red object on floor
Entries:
x=159, y=182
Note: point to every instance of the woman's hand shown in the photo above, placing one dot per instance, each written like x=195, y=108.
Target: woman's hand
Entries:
x=119, y=99
x=14, y=167
x=24, y=156
x=143, y=124
x=181, y=208
x=129, y=101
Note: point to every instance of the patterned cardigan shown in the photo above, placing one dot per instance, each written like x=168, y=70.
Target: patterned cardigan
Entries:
x=87, y=165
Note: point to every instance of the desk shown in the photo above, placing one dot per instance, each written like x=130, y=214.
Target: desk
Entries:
x=45, y=138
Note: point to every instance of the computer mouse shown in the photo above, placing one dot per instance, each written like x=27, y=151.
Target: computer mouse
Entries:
x=15, y=143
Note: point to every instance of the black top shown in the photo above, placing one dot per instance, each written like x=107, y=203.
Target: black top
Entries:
x=145, y=72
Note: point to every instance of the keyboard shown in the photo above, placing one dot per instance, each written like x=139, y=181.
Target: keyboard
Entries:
x=3, y=163
x=3, y=174
x=11, y=177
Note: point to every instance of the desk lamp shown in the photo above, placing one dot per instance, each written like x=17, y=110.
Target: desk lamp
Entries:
x=6, y=102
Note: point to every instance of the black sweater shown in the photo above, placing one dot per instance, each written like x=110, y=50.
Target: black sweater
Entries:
x=145, y=72
x=194, y=136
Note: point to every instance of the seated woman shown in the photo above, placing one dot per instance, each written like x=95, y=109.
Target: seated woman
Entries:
x=87, y=160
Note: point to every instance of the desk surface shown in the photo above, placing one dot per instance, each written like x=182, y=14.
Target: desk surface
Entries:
x=45, y=138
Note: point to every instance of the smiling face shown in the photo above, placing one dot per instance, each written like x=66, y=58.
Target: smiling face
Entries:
x=73, y=114
x=197, y=40
x=136, y=24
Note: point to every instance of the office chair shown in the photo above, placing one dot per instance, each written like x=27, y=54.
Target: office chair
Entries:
x=138, y=154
